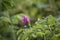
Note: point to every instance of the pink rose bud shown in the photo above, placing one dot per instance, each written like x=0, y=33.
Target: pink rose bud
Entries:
x=25, y=19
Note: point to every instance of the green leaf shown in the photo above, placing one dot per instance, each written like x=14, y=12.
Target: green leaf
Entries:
x=51, y=20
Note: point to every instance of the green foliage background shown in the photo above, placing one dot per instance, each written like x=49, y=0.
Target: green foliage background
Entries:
x=46, y=13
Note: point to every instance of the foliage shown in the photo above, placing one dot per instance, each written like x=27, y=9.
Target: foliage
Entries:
x=39, y=28
x=44, y=29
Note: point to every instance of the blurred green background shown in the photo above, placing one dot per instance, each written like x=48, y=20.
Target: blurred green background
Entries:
x=44, y=16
